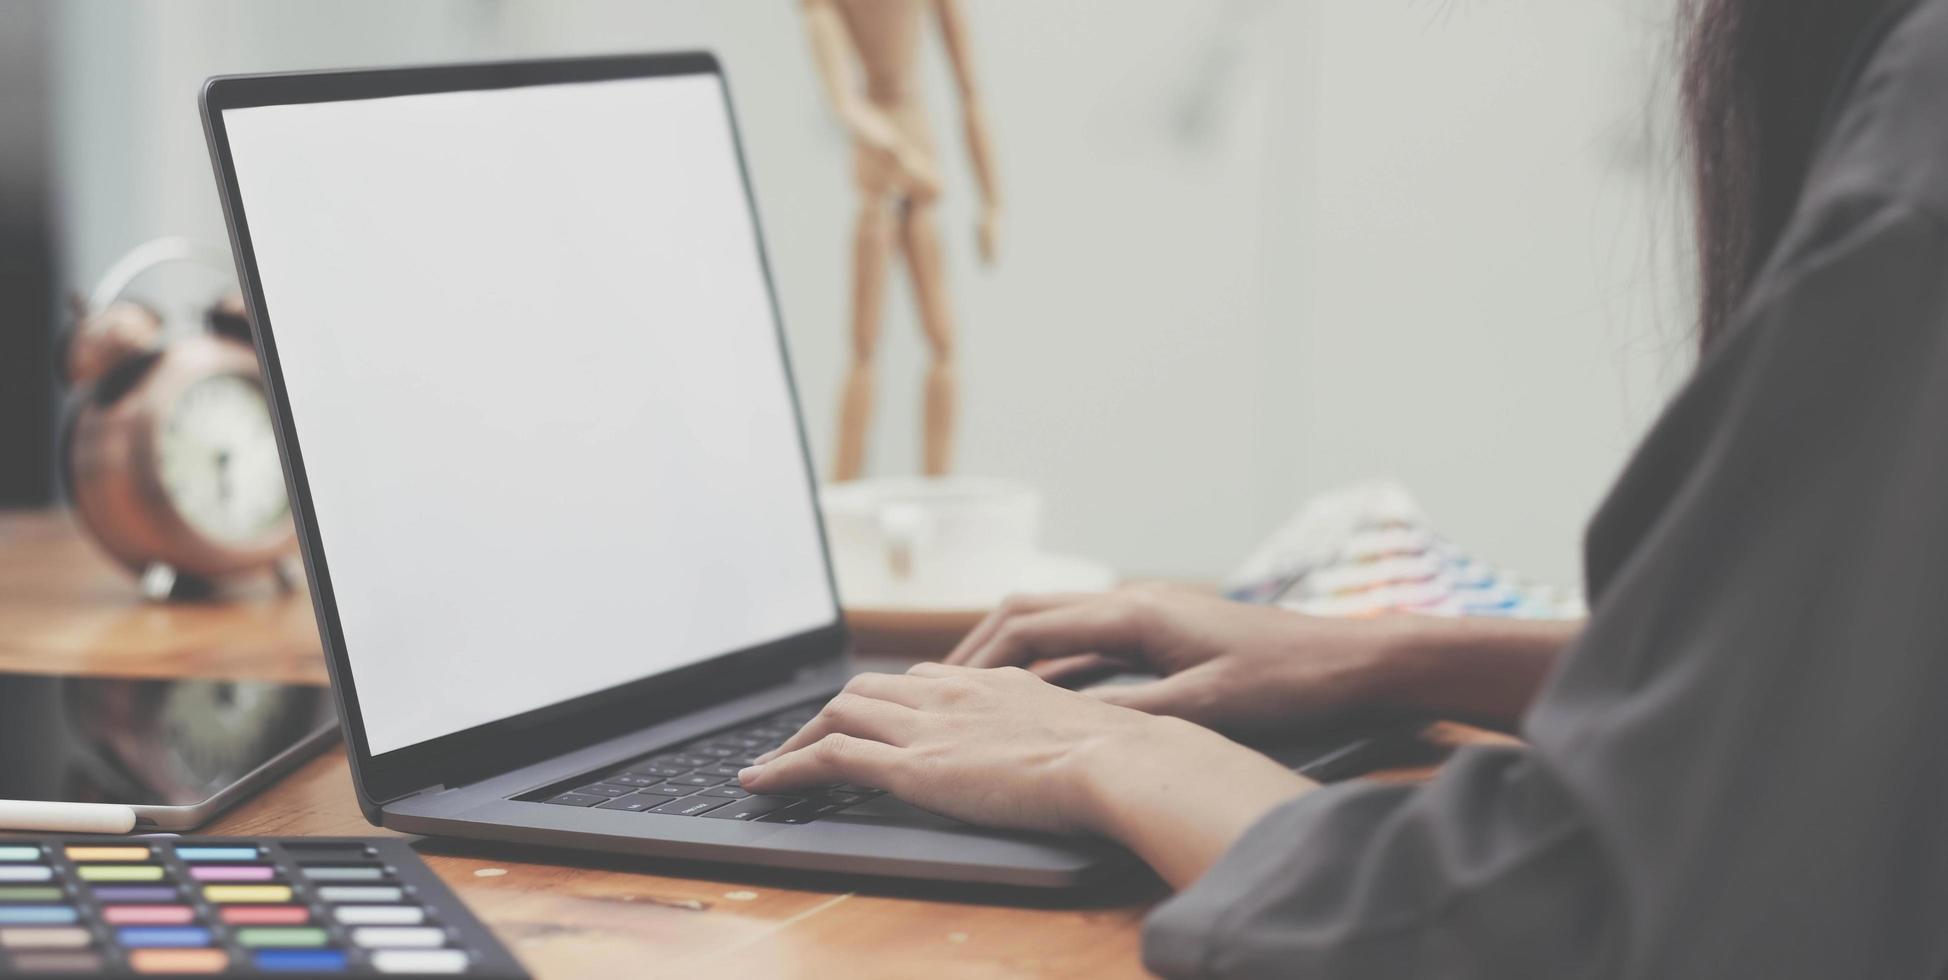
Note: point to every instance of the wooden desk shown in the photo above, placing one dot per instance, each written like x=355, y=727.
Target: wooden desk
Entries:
x=63, y=608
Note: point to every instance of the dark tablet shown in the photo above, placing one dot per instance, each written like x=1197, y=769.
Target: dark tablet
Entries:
x=174, y=752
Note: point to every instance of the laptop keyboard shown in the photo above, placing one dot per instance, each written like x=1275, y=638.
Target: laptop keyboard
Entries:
x=699, y=779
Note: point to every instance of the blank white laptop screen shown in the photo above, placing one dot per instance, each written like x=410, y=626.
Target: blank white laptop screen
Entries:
x=533, y=373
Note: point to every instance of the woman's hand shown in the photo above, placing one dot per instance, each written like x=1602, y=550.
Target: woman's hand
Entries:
x=1225, y=664
x=1004, y=748
x=1243, y=668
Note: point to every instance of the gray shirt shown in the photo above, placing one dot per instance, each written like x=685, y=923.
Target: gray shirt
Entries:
x=1741, y=769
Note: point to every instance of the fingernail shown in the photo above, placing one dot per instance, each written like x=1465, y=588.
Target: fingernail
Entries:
x=747, y=772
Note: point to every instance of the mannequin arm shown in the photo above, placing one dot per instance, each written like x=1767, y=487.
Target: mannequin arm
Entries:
x=953, y=31
x=833, y=53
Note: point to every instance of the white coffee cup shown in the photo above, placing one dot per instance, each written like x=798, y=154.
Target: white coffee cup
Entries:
x=939, y=542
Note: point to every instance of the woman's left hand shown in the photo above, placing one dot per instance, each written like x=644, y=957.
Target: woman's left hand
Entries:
x=1005, y=748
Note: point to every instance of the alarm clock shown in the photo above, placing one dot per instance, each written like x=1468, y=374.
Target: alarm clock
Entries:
x=168, y=451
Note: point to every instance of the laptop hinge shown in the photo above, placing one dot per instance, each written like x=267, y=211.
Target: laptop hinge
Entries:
x=435, y=788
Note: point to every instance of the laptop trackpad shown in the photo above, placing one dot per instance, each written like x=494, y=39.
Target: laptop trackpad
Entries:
x=887, y=808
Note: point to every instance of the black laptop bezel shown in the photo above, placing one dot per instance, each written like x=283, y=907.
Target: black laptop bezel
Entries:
x=508, y=743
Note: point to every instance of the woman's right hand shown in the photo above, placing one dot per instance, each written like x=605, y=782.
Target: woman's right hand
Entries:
x=1224, y=665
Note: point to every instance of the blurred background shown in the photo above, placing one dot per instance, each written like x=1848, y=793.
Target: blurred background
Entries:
x=1254, y=248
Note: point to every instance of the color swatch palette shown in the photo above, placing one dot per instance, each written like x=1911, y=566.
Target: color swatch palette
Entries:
x=233, y=907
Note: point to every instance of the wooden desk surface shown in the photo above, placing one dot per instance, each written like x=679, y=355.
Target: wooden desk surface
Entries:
x=65, y=609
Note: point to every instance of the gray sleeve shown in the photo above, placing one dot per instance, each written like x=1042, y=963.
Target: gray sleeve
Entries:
x=1738, y=771
x=1485, y=873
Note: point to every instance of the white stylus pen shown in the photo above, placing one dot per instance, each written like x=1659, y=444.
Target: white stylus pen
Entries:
x=66, y=818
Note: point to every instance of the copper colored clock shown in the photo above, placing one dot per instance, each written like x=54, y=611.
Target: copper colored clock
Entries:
x=169, y=453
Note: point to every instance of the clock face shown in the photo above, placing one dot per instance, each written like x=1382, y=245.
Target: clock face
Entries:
x=218, y=460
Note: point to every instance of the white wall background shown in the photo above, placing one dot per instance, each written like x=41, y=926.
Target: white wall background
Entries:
x=1254, y=247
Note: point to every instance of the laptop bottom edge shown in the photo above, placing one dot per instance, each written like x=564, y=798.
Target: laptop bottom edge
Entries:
x=973, y=857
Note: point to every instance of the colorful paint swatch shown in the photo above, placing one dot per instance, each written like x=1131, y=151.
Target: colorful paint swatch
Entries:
x=261, y=936
x=147, y=915
x=52, y=937
x=359, y=893
x=379, y=915
x=400, y=937
x=264, y=915
x=137, y=937
x=300, y=960
x=224, y=894
x=233, y=872
x=335, y=873
x=78, y=962
x=137, y=893
x=178, y=960
x=194, y=854
x=99, y=853
x=235, y=907
x=38, y=915
x=119, y=872
x=420, y=961
x=30, y=893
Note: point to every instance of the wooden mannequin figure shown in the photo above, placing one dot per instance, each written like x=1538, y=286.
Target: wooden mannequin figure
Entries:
x=899, y=184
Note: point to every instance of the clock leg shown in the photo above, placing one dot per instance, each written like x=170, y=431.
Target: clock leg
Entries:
x=285, y=572
x=158, y=582
x=161, y=583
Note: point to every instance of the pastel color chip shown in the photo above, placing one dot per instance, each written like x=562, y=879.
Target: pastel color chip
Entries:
x=38, y=915
x=178, y=960
x=361, y=893
x=379, y=915
x=261, y=936
x=135, y=893
x=419, y=961
x=373, y=873
x=140, y=937
x=30, y=893
x=392, y=937
x=148, y=915
x=299, y=960
x=44, y=937
x=119, y=872
x=194, y=854
x=265, y=915
x=26, y=872
x=64, y=961
x=17, y=852
x=225, y=894
x=109, y=854
x=233, y=872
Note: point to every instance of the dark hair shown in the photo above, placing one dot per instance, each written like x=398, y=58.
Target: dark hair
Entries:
x=1758, y=77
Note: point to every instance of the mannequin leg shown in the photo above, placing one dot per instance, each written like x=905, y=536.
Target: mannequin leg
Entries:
x=872, y=245
x=920, y=241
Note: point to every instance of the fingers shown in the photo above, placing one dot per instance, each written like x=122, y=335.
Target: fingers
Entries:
x=1068, y=671
x=856, y=716
x=1015, y=605
x=834, y=758
x=908, y=689
x=1186, y=695
x=1094, y=627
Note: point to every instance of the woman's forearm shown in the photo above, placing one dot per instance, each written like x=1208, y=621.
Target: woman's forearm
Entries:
x=1183, y=796
x=1483, y=671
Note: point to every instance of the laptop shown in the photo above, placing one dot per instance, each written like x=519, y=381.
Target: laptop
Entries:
x=545, y=457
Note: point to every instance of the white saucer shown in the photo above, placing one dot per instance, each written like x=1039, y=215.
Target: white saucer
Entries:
x=1044, y=573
